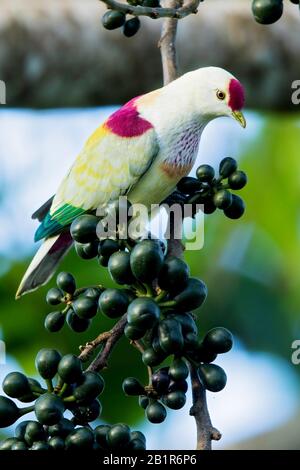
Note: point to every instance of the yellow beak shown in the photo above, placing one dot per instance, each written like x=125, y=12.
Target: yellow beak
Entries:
x=240, y=118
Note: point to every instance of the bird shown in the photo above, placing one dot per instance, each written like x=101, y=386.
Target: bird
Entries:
x=141, y=151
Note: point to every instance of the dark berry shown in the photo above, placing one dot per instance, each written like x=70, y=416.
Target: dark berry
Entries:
x=113, y=303
x=143, y=313
x=205, y=173
x=219, y=340
x=213, y=377
x=236, y=209
x=131, y=27
x=54, y=321
x=83, y=229
x=113, y=19
x=49, y=409
x=156, y=412
x=237, y=180
x=146, y=260
x=66, y=282
x=46, y=363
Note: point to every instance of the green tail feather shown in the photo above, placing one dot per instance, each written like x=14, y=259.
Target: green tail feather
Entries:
x=53, y=224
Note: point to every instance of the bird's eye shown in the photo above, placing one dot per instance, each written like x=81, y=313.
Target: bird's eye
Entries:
x=221, y=95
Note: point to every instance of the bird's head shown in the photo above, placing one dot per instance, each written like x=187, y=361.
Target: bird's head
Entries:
x=215, y=92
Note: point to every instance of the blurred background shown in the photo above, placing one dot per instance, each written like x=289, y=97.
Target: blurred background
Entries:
x=64, y=74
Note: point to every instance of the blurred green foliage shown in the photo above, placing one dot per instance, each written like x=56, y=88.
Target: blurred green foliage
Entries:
x=251, y=267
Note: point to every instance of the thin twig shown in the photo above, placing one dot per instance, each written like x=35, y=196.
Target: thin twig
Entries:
x=179, y=12
x=206, y=433
x=108, y=339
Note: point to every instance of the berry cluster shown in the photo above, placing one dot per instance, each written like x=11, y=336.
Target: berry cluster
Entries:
x=168, y=385
x=65, y=435
x=213, y=192
x=115, y=19
x=79, y=305
x=73, y=390
x=268, y=11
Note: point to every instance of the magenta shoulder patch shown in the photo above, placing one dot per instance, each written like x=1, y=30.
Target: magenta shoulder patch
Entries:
x=126, y=122
x=236, y=95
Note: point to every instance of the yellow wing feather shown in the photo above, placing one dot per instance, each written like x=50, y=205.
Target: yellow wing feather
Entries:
x=107, y=167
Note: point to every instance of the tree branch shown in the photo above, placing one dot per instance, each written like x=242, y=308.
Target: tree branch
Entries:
x=178, y=12
x=167, y=44
x=108, y=339
x=206, y=433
